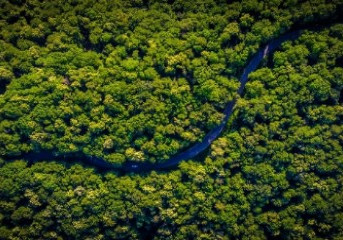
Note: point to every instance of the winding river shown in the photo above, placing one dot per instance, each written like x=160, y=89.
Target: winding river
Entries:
x=191, y=152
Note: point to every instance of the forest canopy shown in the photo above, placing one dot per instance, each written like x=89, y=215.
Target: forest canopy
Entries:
x=128, y=80
x=143, y=80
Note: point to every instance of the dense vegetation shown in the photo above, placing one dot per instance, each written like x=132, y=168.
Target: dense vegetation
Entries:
x=128, y=80
x=142, y=80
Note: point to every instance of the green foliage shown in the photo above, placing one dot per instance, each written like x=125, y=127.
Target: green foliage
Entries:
x=77, y=76
x=142, y=80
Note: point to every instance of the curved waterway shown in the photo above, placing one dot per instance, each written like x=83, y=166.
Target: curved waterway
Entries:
x=189, y=153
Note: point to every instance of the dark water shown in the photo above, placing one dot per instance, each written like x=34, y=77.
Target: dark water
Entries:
x=191, y=152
